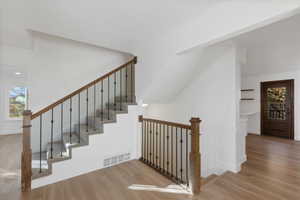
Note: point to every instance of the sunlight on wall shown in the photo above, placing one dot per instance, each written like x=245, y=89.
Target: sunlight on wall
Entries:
x=176, y=189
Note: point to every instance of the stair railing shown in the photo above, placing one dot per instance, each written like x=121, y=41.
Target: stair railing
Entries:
x=173, y=150
x=61, y=121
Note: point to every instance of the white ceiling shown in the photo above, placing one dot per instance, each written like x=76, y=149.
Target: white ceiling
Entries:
x=272, y=49
x=156, y=31
x=124, y=22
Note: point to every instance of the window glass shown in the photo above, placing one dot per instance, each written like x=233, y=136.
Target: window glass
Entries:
x=17, y=102
x=277, y=103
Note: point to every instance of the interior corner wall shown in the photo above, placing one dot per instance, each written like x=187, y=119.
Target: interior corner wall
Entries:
x=211, y=96
x=253, y=81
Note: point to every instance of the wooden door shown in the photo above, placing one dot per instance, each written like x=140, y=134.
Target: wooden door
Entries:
x=277, y=108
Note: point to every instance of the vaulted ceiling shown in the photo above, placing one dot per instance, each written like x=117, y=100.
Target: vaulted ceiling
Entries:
x=272, y=49
x=116, y=23
x=160, y=33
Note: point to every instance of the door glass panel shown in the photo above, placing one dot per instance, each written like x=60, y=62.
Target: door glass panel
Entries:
x=277, y=109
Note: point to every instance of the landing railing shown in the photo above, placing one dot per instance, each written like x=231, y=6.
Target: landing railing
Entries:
x=172, y=149
x=46, y=132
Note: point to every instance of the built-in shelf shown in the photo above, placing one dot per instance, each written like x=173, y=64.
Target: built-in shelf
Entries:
x=247, y=90
x=247, y=99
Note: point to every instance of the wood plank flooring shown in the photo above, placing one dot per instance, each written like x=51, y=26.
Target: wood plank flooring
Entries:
x=272, y=172
x=10, y=159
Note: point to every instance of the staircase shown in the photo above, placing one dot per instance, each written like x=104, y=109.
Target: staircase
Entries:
x=87, y=130
x=62, y=149
x=51, y=134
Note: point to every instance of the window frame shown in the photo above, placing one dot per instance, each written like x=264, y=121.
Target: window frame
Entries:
x=7, y=98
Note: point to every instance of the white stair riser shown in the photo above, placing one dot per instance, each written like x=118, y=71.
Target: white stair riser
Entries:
x=118, y=138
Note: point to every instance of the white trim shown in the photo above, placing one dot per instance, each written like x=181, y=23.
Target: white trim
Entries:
x=225, y=166
x=13, y=119
x=243, y=159
x=10, y=132
x=206, y=172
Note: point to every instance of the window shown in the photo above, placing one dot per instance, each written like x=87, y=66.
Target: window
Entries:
x=17, y=102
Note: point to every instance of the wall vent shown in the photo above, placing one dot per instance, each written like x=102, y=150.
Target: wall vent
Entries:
x=108, y=162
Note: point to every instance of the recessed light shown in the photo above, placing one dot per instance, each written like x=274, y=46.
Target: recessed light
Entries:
x=144, y=105
x=18, y=73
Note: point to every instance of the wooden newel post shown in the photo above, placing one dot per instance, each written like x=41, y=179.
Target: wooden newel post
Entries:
x=140, y=118
x=135, y=60
x=26, y=172
x=133, y=79
x=195, y=157
x=141, y=138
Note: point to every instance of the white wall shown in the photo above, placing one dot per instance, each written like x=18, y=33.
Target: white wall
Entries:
x=272, y=54
x=254, y=106
x=156, y=37
x=8, y=80
x=272, y=49
x=89, y=158
x=54, y=67
x=162, y=30
x=13, y=59
x=61, y=66
x=212, y=96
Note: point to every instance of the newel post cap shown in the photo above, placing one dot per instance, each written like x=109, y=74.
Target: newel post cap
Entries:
x=195, y=120
x=135, y=60
x=140, y=118
x=27, y=112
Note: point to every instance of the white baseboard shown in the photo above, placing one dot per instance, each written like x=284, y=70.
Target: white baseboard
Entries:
x=10, y=127
x=243, y=159
x=207, y=172
x=232, y=167
x=8, y=133
x=257, y=133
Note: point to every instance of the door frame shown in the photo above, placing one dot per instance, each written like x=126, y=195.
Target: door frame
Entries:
x=292, y=86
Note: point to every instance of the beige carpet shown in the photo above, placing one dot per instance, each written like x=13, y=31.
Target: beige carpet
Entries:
x=10, y=163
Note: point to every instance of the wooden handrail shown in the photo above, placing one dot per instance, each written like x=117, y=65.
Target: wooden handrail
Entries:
x=184, y=126
x=35, y=115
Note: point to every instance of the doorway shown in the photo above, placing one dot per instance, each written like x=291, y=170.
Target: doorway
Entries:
x=277, y=108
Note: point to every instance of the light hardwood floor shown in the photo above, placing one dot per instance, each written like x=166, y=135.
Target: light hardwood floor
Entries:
x=272, y=172
x=10, y=159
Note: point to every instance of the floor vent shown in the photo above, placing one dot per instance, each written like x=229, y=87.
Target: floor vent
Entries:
x=116, y=159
